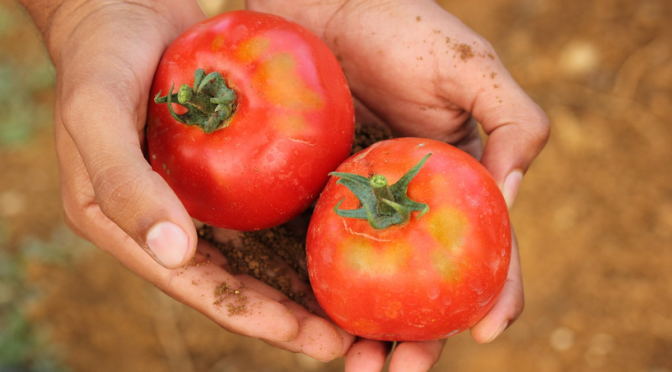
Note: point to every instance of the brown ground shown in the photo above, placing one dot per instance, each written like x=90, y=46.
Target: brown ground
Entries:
x=594, y=216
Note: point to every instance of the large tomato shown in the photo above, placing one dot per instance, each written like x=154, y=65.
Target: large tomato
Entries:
x=251, y=113
x=420, y=253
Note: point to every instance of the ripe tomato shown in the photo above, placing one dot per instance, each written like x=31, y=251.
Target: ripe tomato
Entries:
x=434, y=263
x=291, y=119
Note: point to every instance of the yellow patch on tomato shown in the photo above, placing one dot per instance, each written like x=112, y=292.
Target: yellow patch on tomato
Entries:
x=283, y=86
x=448, y=227
x=392, y=309
x=217, y=43
x=365, y=325
x=362, y=256
x=251, y=49
x=444, y=264
x=291, y=125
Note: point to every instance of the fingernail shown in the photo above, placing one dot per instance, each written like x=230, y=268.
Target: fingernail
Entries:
x=499, y=331
x=511, y=185
x=168, y=242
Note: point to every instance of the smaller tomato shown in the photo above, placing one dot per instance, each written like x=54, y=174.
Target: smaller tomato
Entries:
x=422, y=259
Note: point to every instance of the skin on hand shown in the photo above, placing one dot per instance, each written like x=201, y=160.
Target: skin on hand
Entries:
x=105, y=54
x=417, y=68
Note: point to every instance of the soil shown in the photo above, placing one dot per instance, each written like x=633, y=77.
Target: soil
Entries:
x=593, y=217
x=254, y=254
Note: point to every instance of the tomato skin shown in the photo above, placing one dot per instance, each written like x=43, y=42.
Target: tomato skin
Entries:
x=293, y=122
x=430, y=278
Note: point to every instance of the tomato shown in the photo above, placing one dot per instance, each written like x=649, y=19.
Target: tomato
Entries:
x=429, y=267
x=251, y=113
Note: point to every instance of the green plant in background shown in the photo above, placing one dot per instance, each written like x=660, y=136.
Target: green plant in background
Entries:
x=24, y=79
x=25, y=346
x=7, y=22
x=22, y=112
x=26, y=85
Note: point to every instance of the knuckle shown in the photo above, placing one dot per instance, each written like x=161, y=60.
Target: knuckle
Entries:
x=76, y=202
x=86, y=98
x=518, y=305
x=118, y=192
x=541, y=129
x=534, y=128
x=74, y=103
x=72, y=220
x=519, y=309
x=488, y=49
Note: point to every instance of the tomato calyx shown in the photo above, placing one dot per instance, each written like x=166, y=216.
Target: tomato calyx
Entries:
x=210, y=103
x=382, y=205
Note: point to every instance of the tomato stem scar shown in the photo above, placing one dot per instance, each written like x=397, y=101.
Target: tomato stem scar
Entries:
x=210, y=103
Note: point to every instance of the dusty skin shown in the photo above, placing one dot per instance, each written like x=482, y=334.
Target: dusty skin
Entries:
x=593, y=217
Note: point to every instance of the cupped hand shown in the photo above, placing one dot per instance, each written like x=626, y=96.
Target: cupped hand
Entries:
x=105, y=54
x=415, y=67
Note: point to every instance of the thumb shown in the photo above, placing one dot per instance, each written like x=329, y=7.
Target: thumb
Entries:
x=517, y=131
x=107, y=134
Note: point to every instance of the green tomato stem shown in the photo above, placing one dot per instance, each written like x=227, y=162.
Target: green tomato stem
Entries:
x=382, y=205
x=382, y=193
x=210, y=103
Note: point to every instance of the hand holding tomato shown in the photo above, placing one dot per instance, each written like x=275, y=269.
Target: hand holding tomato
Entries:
x=105, y=54
x=419, y=69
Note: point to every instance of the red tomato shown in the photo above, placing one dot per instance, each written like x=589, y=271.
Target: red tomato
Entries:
x=292, y=119
x=427, y=277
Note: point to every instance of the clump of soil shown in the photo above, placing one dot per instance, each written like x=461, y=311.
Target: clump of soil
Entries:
x=236, y=300
x=266, y=255
x=278, y=255
x=368, y=134
x=465, y=51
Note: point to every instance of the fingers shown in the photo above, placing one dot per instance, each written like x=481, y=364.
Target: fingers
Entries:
x=203, y=285
x=367, y=356
x=101, y=105
x=517, y=128
x=128, y=192
x=315, y=336
x=370, y=356
x=105, y=65
x=416, y=356
x=225, y=298
x=237, y=303
x=508, y=307
x=471, y=143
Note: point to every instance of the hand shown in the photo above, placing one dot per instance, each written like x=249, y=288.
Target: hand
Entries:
x=105, y=54
x=415, y=67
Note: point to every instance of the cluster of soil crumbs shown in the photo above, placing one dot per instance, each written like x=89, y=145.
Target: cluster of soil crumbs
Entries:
x=276, y=256
x=235, y=300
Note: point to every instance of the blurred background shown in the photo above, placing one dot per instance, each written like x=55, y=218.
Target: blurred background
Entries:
x=593, y=218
